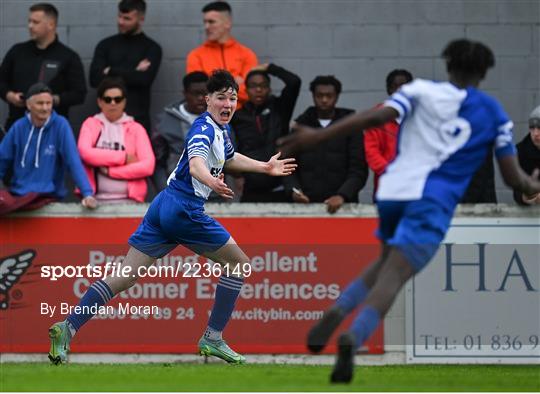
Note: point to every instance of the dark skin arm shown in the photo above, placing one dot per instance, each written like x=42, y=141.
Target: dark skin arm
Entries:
x=305, y=137
x=516, y=178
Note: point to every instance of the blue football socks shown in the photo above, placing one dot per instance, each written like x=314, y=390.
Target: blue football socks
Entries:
x=352, y=296
x=227, y=292
x=365, y=323
x=98, y=294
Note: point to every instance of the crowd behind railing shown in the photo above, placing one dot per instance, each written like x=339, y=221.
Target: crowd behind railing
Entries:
x=121, y=153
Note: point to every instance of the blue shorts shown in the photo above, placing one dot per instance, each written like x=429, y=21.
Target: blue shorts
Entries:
x=416, y=228
x=174, y=219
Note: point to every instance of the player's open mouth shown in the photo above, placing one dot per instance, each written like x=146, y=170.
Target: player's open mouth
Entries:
x=225, y=114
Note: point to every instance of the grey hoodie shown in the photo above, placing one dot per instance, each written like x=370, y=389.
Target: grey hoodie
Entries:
x=170, y=130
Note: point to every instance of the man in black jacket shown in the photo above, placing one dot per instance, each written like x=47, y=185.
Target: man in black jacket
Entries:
x=131, y=55
x=335, y=172
x=529, y=156
x=259, y=123
x=481, y=189
x=41, y=59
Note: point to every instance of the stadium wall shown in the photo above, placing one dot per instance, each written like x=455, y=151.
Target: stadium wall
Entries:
x=394, y=328
x=359, y=41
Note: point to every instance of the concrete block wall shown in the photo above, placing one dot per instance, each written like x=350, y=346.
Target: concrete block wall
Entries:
x=359, y=41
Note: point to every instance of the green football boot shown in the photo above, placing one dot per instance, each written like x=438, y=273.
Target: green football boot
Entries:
x=221, y=350
x=60, y=336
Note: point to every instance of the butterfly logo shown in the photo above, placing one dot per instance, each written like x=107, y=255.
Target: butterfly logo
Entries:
x=12, y=269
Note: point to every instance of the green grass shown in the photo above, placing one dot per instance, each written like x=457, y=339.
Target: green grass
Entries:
x=288, y=378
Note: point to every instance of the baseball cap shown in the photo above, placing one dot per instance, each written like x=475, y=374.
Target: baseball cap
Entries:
x=37, y=88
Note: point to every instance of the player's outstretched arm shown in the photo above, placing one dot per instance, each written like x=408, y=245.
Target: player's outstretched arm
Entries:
x=273, y=167
x=199, y=171
x=304, y=137
x=516, y=178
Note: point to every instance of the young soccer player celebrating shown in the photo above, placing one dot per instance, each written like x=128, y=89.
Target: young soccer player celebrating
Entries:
x=447, y=129
x=176, y=216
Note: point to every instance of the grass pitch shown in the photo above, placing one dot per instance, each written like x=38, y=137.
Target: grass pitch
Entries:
x=272, y=377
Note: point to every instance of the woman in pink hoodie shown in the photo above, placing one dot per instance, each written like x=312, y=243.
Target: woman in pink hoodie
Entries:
x=115, y=150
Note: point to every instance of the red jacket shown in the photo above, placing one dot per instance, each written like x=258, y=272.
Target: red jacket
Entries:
x=380, y=147
x=136, y=142
x=231, y=56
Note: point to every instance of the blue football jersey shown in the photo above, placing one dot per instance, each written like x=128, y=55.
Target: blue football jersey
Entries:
x=212, y=142
x=445, y=134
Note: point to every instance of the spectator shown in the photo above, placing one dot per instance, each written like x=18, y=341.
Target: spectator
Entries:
x=173, y=123
x=529, y=156
x=115, y=149
x=380, y=142
x=333, y=173
x=131, y=55
x=221, y=50
x=39, y=147
x=260, y=122
x=41, y=59
x=481, y=189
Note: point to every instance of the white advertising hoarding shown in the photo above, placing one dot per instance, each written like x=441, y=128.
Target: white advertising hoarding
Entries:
x=478, y=301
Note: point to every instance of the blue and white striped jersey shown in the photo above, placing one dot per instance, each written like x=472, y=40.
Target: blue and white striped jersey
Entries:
x=208, y=140
x=445, y=134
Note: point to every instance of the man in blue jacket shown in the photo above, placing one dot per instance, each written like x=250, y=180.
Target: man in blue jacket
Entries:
x=38, y=147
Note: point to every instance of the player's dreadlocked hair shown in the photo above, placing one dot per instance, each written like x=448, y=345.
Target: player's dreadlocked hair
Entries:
x=468, y=57
x=221, y=80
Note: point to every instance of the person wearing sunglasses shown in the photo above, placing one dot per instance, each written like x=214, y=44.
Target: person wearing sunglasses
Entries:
x=115, y=149
x=130, y=55
x=529, y=156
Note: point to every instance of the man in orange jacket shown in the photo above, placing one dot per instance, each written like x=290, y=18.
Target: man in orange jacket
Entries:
x=221, y=50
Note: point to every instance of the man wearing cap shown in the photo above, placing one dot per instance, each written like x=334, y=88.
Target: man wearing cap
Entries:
x=41, y=59
x=39, y=147
x=529, y=156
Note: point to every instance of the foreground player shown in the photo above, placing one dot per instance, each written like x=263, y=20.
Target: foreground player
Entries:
x=176, y=216
x=446, y=131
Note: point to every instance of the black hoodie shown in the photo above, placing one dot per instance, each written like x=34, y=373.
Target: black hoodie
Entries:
x=256, y=129
x=57, y=66
x=529, y=159
x=122, y=53
x=337, y=167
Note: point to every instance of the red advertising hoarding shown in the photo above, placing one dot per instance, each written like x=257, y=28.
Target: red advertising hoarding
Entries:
x=298, y=268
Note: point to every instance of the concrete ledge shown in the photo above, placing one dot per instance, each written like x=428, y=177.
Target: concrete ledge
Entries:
x=272, y=210
x=107, y=358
